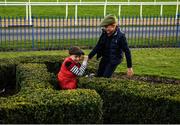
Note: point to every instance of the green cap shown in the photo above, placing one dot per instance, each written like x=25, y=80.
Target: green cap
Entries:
x=109, y=19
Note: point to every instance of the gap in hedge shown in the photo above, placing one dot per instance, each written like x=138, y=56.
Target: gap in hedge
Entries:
x=8, y=86
x=53, y=68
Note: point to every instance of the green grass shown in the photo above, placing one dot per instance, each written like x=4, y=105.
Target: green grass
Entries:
x=48, y=44
x=86, y=10
x=160, y=62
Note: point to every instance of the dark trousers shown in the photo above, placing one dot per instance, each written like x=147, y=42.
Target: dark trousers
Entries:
x=106, y=69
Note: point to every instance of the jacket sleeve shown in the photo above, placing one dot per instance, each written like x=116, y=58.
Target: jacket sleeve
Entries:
x=127, y=51
x=78, y=71
x=96, y=49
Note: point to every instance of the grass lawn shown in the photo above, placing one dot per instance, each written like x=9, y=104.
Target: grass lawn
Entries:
x=87, y=10
x=160, y=62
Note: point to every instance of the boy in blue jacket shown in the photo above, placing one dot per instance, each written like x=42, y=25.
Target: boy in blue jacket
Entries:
x=110, y=47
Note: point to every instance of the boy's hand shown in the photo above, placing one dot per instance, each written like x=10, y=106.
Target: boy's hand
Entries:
x=130, y=72
x=85, y=58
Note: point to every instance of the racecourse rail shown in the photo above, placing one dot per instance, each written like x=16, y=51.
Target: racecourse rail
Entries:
x=76, y=4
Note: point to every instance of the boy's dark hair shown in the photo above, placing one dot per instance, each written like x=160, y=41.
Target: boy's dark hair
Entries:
x=75, y=51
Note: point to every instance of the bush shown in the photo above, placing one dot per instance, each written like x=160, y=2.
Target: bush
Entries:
x=38, y=102
x=124, y=101
x=127, y=101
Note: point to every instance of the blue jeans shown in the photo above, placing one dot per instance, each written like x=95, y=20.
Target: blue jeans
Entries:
x=106, y=69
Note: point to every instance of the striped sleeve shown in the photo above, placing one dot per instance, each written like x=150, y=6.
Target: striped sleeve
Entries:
x=78, y=71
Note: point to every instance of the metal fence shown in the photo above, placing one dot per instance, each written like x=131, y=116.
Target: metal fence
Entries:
x=49, y=33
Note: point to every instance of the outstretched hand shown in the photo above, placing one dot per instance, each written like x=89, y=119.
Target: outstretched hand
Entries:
x=130, y=72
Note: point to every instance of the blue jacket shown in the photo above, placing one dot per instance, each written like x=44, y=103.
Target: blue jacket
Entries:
x=111, y=48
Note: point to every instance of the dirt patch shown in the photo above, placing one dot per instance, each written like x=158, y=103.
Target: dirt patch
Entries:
x=148, y=78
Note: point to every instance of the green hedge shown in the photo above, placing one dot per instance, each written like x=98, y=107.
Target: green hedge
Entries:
x=127, y=101
x=38, y=102
x=8, y=67
x=124, y=101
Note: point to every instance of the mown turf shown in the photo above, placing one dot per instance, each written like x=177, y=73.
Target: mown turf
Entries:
x=87, y=10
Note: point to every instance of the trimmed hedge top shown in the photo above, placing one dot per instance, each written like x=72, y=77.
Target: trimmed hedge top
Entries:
x=38, y=102
x=127, y=101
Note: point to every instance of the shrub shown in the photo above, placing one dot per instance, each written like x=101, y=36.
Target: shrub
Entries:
x=127, y=101
x=38, y=102
x=124, y=101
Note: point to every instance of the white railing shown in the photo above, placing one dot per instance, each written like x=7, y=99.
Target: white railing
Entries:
x=76, y=4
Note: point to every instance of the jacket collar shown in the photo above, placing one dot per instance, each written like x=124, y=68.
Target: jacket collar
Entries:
x=117, y=31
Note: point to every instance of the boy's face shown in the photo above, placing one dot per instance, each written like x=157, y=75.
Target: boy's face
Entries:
x=110, y=29
x=76, y=58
